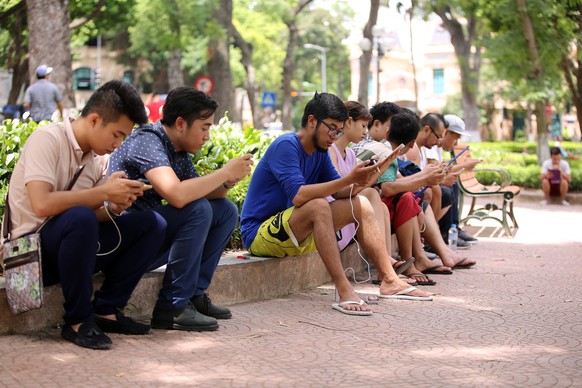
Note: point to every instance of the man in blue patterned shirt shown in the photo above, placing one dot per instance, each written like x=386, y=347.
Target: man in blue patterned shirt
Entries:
x=200, y=218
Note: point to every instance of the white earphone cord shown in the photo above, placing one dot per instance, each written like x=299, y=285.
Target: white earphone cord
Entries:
x=118, y=233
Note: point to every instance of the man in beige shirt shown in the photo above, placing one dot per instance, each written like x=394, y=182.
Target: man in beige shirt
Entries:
x=81, y=236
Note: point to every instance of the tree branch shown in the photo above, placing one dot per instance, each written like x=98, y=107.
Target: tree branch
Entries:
x=6, y=14
x=79, y=22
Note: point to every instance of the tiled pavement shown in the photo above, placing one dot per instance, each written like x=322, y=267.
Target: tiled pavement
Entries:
x=514, y=320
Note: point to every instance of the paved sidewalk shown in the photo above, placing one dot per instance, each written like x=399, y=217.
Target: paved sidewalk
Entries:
x=515, y=320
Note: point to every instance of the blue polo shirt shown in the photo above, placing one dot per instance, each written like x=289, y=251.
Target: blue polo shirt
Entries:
x=149, y=147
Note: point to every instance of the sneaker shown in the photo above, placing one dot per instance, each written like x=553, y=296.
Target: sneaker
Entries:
x=186, y=318
x=462, y=244
x=466, y=237
x=89, y=336
x=203, y=304
x=565, y=203
x=543, y=202
x=123, y=325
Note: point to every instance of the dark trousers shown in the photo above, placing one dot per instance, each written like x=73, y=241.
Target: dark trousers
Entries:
x=195, y=239
x=70, y=244
x=447, y=219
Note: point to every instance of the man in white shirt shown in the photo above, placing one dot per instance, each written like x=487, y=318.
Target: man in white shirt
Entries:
x=555, y=177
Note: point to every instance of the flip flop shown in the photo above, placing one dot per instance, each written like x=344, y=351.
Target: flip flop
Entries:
x=419, y=282
x=433, y=270
x=404, y=265
x=403, y=295
x=340, y=307
x=460, y=265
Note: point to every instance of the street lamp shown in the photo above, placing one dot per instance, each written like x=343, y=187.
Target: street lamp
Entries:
x=323, y=64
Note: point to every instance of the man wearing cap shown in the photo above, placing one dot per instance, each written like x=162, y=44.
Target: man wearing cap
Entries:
x=454, y=129
x=43, y=97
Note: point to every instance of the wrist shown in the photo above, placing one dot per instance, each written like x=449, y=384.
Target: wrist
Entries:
x=228, y=186
x=109, y=209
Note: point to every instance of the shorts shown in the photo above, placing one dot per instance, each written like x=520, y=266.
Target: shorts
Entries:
x=402, y=207
x=275, y=238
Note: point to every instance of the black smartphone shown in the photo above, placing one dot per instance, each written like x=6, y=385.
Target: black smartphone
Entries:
x=254, y=151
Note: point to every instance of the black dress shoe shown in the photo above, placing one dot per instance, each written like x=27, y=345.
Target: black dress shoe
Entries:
x=204, y=305
x=123, y=325
x=186, y=318
x=89, y=336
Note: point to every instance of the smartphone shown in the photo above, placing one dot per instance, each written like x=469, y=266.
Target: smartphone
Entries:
x=455, y=158
x=254, y=151
x=146, y=184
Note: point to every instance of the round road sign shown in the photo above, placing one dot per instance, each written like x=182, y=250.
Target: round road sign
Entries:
x=204, y=84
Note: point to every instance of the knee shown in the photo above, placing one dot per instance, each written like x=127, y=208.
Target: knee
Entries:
x=80, y=219
x=318, y=207
x=199, y=209
x=447, y=196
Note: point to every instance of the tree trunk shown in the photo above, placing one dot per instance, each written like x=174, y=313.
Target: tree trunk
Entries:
x=17, y=60
x=411, y=14
x=175, y=75
x=366, y=57
x=469, y=64
x=288, y=72
x=251, y=83
x=289, y=64
x=49, y=43
x=537, y=76
x=219, y=62
x=572, y=68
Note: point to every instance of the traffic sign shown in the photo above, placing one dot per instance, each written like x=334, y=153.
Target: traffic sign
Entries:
x=204, y=84
x=269, y=99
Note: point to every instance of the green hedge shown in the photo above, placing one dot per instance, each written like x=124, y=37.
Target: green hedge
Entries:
x=520, y=159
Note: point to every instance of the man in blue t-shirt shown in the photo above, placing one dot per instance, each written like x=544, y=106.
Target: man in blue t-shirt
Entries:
x=200, y=219
x=286, y=212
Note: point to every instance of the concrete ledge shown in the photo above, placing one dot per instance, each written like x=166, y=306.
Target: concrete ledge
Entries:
x=235, y=281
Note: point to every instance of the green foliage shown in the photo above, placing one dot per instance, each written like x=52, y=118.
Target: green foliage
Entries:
x=228, y=142
x=13, y=135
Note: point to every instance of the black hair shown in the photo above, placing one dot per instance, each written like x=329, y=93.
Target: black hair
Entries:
x=555, y=151
x=383, y=111
x=433, y=120
x=323, y=106
x=358, y=111
x=404, y=128
x=188, y=103
x=116, y=98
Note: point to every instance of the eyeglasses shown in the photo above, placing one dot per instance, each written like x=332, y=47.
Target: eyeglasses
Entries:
x=332, y=131
x=434, y=133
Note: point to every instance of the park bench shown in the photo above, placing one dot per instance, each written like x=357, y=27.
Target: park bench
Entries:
x=499, y=196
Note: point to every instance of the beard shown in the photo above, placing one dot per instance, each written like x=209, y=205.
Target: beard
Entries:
x=315, y=140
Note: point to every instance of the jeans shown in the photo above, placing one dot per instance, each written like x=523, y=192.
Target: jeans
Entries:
x=70, y=244
x=196, y=236
x=446, y=220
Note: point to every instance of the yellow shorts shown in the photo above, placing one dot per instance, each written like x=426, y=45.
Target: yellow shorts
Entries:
x=275, y=238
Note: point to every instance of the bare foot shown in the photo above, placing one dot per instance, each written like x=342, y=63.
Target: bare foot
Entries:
x=452, y=258
x=355, y=297
x=398, y=286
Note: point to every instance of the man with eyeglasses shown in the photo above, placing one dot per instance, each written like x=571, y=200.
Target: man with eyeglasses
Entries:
x=286, y=212
x=454, y=129
x=440, y=196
